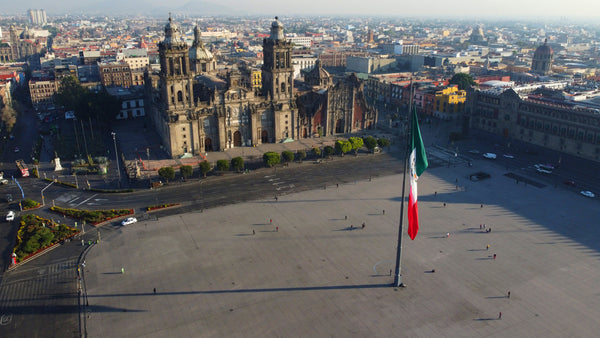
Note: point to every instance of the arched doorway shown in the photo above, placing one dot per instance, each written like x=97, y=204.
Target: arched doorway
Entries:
x=237, y=139
x=264, y=137
x=339, y=127
x=304, y=133
x=208, y=144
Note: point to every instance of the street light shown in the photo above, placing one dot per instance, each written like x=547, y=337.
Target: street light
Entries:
x=43, y=203
x=116, y=156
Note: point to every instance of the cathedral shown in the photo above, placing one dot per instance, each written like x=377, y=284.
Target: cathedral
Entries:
x=20, y=46
x=194, y=110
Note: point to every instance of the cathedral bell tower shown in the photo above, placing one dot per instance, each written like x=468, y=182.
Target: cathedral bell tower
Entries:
x=277, y=70
x=175, y=75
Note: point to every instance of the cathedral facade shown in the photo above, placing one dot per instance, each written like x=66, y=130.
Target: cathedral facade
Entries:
x=195, y=111
x=21, y=45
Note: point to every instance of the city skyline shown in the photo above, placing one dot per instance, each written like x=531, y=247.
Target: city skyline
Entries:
x=427, y=8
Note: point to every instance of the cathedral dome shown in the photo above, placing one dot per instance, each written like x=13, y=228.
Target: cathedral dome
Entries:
x=276, y=30
x=543, y=50
x=198, y=51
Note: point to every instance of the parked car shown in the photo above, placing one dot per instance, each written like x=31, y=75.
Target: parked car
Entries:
x=543, y=171
x=569, y=182
x=490, y=156
x=129, y=220
x=10, y=216
x=587, y=193
x=508, y=156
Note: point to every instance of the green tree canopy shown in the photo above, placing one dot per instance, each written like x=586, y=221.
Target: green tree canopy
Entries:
x=223, y=165
x=301, y=154
x=370, y=142
x=271, y=158
x=186, y=171
x=356, y=143
x=237, y=163
x=329, y=150
x=342, y=147
x=463, y=80
x=383, y=142
x=287, y=156
x=316, y=152
x=205, y=168
x=167, y=173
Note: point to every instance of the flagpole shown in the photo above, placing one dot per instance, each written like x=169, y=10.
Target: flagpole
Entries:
x=398, y=272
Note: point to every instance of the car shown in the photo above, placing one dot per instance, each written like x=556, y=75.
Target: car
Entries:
x=10, y=216
x=569, y=182
x=544, y=171
x=490, y=156
x=3, y=181
x=129, y=220
x=508, y=156
x=587, y=193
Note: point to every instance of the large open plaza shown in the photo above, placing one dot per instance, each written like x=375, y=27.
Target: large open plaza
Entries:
x=304, y=266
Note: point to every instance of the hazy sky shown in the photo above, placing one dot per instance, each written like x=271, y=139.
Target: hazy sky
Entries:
x=438, y=8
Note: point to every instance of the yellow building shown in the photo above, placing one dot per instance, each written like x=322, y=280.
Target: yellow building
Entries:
x=256, y=76
x=449, y=102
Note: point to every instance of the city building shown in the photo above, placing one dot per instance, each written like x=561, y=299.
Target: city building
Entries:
x=115, y=74
x=37, y=16
x=542, y=59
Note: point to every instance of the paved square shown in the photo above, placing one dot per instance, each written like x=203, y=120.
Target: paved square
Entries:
x=229, y=272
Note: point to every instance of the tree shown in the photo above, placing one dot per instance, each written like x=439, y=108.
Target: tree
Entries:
x=205, y=168
x=356, y=143
x=70, y=94
x=370, y=142
x=186, y=171
x=301, y=154
x=463, y=80
x=271, y=158
x=328, y=151
x=287, y=156
x=237, y=163
x=167, y=173
x=316, y=152
x=342, y=147
x=223, y=165
x=383, y=142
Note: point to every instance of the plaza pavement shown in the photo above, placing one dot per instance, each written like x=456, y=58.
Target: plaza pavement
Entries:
x=314, y=277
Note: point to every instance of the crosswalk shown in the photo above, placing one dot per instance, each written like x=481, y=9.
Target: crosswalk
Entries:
x=77, y=199
x=278, y=184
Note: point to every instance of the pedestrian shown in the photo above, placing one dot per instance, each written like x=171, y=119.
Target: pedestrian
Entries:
x=154, y=290
x=490, y=229
x=390, y=272
x=253, y=232
x=337, y=185
x=271, y=220
x=494, y=256
x=444, y=204
x=435, y=194
x=480, y=226
x=122, y=270
x=346, y=217
x=351, y=227
x=277, y=229
x=484, y=225
x=447, y=234
x=500, y=315
x=363, y=225
x=275, y=198
x=384, y=211
x=508, y=294
x=482, y=206
x=487, y=247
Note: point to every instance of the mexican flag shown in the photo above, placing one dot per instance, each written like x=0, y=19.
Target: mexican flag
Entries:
x=418, y=164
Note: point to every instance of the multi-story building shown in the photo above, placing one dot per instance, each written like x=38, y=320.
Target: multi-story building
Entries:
x=37, y=16
x=42, y=92
x=449, y=103
x=132, y=102
x=115, y=74
x=536, y=118
x=20, y=47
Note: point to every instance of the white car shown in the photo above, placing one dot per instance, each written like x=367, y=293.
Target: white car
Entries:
x=587, y=193
x=491, y=156
x=10, y=216
x=543, y=171
x=508, y=156
x=129, y=220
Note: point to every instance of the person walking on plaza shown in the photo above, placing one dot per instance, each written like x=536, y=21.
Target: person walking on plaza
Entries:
x=487, y=247
x=494, y=256
x=500, y=315
x=508, y=294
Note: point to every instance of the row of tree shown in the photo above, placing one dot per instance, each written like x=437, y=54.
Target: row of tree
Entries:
x=272, y=158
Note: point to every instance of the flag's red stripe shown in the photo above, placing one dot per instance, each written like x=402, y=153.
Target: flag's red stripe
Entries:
x=413, y=216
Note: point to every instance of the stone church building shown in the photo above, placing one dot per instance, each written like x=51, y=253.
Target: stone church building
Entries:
x=195, y=111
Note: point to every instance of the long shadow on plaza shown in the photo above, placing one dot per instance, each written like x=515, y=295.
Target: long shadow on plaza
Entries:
x=56, y=309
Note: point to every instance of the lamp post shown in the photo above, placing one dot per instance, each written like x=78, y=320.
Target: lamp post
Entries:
x=116, y=156
x=43, y=203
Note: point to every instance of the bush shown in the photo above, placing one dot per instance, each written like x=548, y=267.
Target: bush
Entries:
x=383, y=142
x=237, y=163
x=29, y=204
x=370, y=142
x=93, y=216
x=301, y=154
x=186, y=171
x=36, y=233
x=271, y=158
x=356, y=143
x=343, y=147
x=316, y=152
x=205, y=168
x=167, y=173
x=287, y=156
x=223, y=165
x=329, y=150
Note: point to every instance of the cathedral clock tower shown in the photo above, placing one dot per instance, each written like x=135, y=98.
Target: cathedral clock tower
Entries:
x=277, y=71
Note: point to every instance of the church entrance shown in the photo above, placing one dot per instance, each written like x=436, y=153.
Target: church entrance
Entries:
x=304, y=133
x=208, y=144
x=339, y=126
x=237, y=139
x=264, y=137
